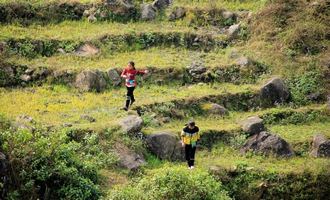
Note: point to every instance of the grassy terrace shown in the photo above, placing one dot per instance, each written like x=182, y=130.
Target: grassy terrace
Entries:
x=85, y=31
x=158, y=57
x=232, y=5
x=228, y=158
x=55, y=105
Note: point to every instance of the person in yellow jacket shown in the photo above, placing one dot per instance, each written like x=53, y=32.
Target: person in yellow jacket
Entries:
x=189, y=138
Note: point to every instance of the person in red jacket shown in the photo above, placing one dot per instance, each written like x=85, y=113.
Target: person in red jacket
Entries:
x=129, y=74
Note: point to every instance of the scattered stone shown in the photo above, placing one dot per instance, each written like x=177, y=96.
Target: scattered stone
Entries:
x=165, y=146
x=92, y=19
x=320, y=146
x=25, y=77
x=63, y=76
x=91, y=80
x=161, y=4
x=177, y=13
x=275, y=91
x=114, y=77
x=233, y=54
x=268, y=144
x=88, y=118
x=217, y=109
x=316, y=96
x=128, y=158
x=228, y=15
x=233, y=30
x=243, y=61
x=197, y=71
x=220, y=172
x=253, y=125
x=2, y=46
x=67, y=125
x=87, y=50
x=29, y=71
x=24, y=122
x=131, y=124
x=61, y=51
x=148, y=12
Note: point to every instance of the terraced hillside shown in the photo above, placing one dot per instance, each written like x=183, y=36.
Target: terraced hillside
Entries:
x=254, y=75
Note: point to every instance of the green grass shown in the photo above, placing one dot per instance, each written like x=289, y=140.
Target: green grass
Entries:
x=302, y=132
x=41, y=2
x=159, y=57
x=229, y=158
x=55, y=105
x=85, y=31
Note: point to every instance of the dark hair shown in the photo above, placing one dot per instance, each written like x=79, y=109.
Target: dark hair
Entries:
x=132, y=63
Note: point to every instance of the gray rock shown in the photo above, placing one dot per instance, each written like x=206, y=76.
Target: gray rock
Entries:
x=233, y=54
x=88, y=118
x=128, y=158
x=320, y=146
x=87, y=50
x=197, y=71
x=177, y=13
x=218, y=110
x=268, y=144
x=148, y=12
x=228, y=15
x=131, y=124
x=61, y=51
x=92, y=19
x=25, y=78
x=161, y=4
x=24, y=122
x=2, y=46
x=165, y=145
x=114, y=77
x=243, y=61
x=90, y=80
x=275, y=91
x=233, y=30
x=8, y=71
x=253, y=125
x=29, y=71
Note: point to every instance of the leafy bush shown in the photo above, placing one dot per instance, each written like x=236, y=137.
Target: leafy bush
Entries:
x=173, y=182
x=302, y=85
x=48, y=165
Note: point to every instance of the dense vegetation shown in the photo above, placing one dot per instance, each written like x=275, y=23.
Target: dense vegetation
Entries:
x=58, y=142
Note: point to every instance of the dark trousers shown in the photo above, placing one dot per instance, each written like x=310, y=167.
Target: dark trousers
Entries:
x=130, y=96
x=190, y=154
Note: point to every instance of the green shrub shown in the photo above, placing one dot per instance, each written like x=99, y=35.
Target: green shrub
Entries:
x=49, y=165
x=302, y=85
x=173, y=182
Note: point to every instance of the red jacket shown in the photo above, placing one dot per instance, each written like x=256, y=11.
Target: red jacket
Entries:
x=130, y=74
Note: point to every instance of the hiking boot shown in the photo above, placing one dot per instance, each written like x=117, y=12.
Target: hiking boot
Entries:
x=125, y=108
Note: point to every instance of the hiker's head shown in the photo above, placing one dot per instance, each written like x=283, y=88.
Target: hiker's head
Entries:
x=191, y=124
x=131, y=65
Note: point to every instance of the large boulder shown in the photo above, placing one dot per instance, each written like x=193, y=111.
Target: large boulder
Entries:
x=87, y=49
x=148, y=12
x=90, y=80
x=215, y=109
x=128, y=158
x=268, y=144
x=165, y=145
x=253, y=125
x=114, y=77
x=275, y=91
x=131, y=124
x=177, y=13
x=233, y=31
x=197, y=71
x=320, y=146
x=161, y=4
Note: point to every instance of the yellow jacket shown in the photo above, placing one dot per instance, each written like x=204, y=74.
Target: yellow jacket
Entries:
x=189, y=136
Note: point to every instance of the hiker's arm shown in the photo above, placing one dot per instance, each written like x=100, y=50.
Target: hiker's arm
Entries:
x=142, y=72
x=123, y=74
x=182, y=137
